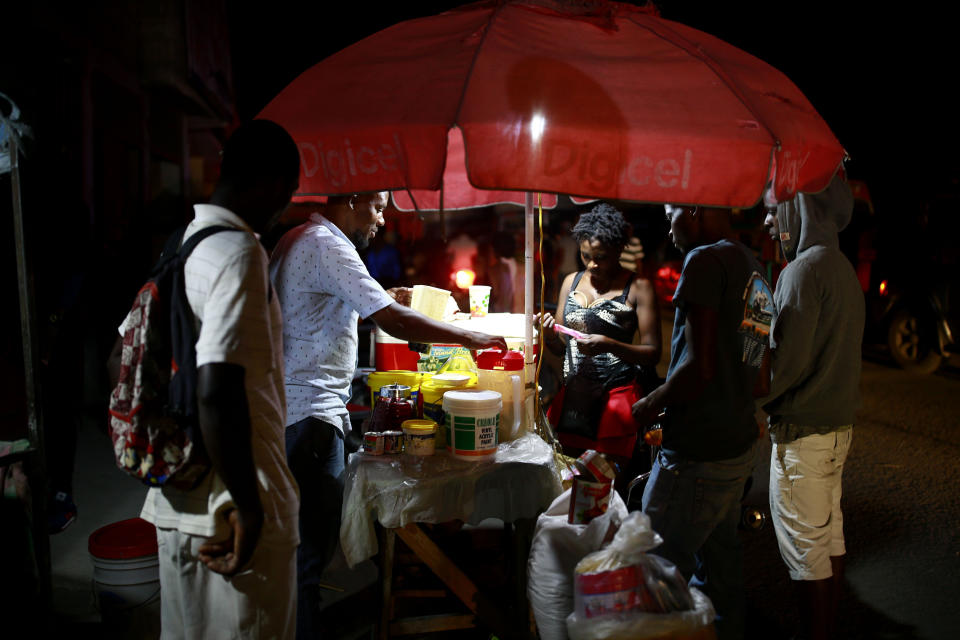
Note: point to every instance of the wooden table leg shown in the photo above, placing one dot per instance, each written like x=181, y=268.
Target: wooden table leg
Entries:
x=518, y=537
x=386, y=581
x=451, y=575
x=523, y=530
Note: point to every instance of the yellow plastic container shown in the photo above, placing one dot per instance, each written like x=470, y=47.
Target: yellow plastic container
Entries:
x=412, y=379
x=431, y=393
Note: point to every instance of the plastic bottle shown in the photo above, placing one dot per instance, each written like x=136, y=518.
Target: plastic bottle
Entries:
x=503, y=372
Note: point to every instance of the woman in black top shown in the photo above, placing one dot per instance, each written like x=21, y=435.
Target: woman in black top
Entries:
x=617, y=311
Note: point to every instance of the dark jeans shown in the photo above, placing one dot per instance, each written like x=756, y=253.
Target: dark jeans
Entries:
x=315, y=457
x=695, y=506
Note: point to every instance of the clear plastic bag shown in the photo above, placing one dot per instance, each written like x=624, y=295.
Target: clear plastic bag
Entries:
x=695, y=624
x=622, y=591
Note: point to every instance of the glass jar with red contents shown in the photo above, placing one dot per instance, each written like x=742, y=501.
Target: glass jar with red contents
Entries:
x=393, y=407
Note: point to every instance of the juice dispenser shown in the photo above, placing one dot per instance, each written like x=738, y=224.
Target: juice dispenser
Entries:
x=503, y=372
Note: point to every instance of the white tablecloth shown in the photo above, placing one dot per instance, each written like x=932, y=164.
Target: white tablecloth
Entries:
x=396, y=490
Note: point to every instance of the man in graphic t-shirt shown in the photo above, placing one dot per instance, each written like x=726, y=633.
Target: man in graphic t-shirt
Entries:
x=718, y=363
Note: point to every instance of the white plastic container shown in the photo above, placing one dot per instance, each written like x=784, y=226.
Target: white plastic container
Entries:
x=510, y=387
x=430, y=301
x=503, y=373
x=126, y=574
x=472, y=423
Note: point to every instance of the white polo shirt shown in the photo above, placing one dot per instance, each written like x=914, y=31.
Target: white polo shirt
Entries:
x=228, y=291
x=323, y=288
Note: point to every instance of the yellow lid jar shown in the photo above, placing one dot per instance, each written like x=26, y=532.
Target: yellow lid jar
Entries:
x=419, y=437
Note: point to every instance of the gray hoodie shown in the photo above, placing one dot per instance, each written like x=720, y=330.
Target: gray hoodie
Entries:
x=817, y=334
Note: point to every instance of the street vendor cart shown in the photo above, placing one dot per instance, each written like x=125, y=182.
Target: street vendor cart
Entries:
x=399, y=494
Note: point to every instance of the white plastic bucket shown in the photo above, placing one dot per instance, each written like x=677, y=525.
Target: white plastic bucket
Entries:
x=126, y=574
x=472, y=423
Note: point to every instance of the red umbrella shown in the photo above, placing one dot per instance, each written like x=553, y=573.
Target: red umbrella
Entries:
x=599, y=99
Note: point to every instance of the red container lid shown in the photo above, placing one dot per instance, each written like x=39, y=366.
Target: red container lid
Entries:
x=493, y=359
x=133, y=538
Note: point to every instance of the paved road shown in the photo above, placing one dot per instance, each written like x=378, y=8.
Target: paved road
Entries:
x=901, y=518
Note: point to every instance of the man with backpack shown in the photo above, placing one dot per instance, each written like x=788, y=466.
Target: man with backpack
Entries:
x=227, y=546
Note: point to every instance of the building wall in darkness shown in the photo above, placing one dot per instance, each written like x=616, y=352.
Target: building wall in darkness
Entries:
x=128, y=103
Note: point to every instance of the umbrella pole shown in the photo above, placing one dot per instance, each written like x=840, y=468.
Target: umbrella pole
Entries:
x=528, y=286
x=529, y=367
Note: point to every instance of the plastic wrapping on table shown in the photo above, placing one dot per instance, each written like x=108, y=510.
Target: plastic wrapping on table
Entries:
x=520, y=482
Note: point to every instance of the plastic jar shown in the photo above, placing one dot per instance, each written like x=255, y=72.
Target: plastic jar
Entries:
x=393, y=407
x=419, y=437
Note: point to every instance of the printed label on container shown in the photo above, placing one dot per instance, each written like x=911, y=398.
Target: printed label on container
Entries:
x=609, y=592
x=373, y=443
x=474, y=434
x=420, y=444
x=588, y=500
x=486, y=432
x=392, y=441
x=598, y=465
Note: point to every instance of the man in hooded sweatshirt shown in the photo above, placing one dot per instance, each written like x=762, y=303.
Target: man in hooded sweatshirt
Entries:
x=814, y=394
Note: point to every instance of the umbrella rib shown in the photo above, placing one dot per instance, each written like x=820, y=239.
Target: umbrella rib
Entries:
x=671, y=36
x=463, y=95
x=473, y=63
x=412, y=199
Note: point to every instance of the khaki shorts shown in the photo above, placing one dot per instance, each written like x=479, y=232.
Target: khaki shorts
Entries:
x=805, y=495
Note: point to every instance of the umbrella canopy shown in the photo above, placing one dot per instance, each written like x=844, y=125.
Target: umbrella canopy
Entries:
x=599, y=100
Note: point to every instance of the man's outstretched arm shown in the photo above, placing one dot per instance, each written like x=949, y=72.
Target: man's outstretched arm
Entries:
x=406, y=324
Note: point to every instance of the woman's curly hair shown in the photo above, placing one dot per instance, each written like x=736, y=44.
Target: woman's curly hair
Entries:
x=605, y=223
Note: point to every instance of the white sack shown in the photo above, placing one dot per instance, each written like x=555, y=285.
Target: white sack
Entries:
x=556, y=549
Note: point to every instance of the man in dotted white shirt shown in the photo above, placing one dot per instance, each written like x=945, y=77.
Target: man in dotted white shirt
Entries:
x=227, y=547
x=324, y=288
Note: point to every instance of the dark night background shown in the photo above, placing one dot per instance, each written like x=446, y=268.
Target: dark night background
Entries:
x=879, y=76
x=130, y=102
